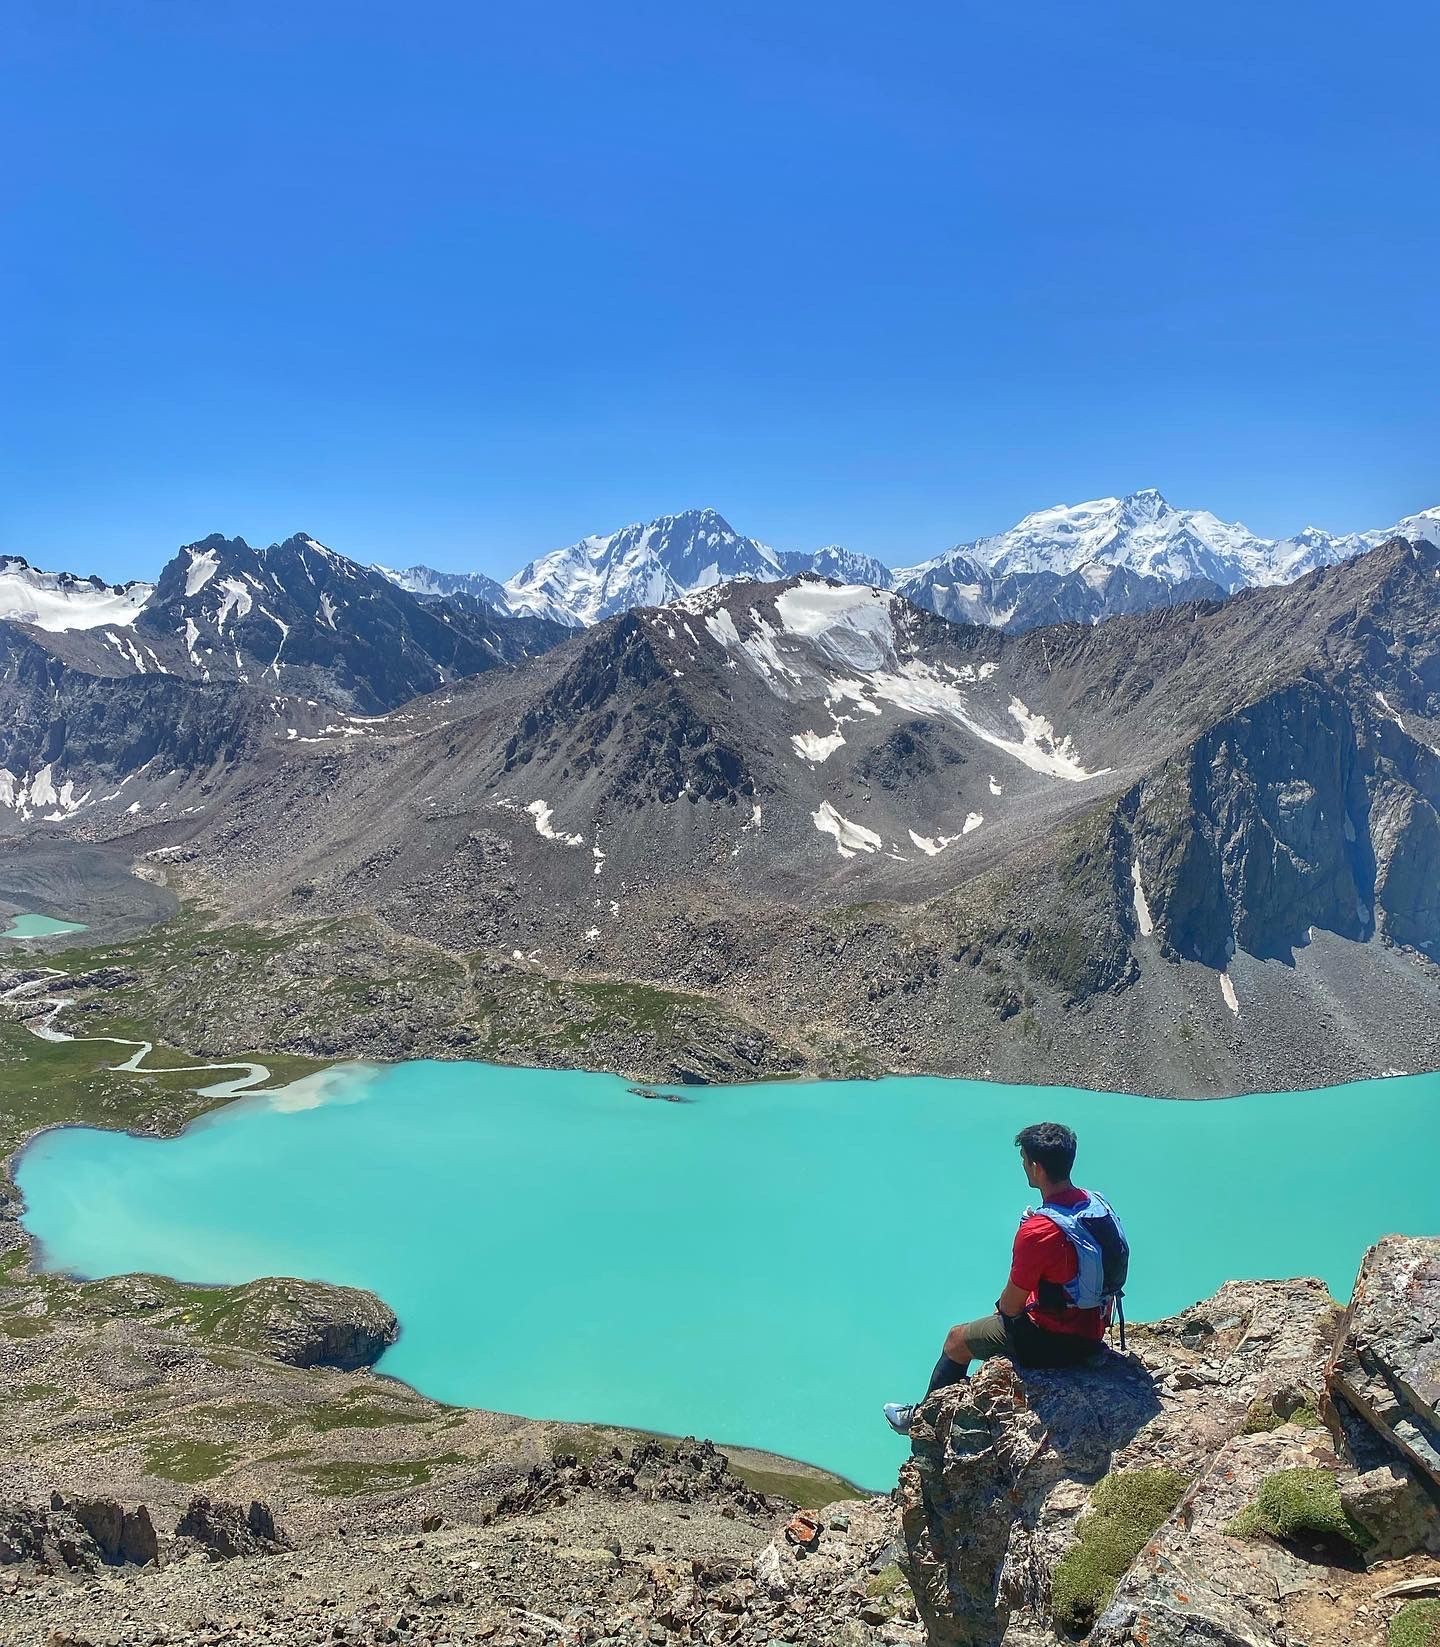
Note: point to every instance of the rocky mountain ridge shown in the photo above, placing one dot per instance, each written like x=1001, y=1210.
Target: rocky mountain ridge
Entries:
x=1070, y=563
x=233, y=649
x=1150, y=854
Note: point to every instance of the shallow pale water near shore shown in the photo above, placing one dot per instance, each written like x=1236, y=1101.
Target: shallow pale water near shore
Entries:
x=762, y=1264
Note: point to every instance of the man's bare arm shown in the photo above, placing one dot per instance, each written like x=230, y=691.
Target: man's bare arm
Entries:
x=1012, y=1300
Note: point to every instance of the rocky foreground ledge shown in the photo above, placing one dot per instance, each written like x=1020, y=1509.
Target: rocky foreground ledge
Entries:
x=1262, y=1470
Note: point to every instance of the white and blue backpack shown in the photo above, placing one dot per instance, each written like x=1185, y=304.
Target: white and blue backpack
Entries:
x=1102, y=1255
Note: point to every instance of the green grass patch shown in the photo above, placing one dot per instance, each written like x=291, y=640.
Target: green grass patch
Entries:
x=353, y=1414
x=583, y=1444
x=1263, y=1415
x=1299, y=1504
x=586, y=1010
x=1417, y=1624
x=24, y=1326
x=884, y=1584
x=183, y=1459
x=809, y=1492
x=1126, y=1510
x=35, y=1392
x=352, y=1478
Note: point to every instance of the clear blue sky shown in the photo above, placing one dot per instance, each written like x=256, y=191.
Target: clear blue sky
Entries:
x=461, y=282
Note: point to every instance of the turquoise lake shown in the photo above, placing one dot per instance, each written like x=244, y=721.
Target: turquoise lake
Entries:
x=39, y=926
x=762, y=1264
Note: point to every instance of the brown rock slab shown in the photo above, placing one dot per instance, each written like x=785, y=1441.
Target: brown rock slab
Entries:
x=1386, y=1364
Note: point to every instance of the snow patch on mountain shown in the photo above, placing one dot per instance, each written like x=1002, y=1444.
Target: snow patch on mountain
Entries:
x=202, y=567
x=850, y=838
x=543, y=815
x=38, y=795
x=846, y=645
x=815, y=746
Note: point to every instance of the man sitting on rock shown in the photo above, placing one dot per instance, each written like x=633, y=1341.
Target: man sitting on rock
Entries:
x=1067, y=1275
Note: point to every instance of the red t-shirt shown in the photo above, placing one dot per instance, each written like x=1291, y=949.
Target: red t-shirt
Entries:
x=1043, y=1253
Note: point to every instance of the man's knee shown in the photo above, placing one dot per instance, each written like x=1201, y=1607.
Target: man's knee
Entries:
x=956, y=1347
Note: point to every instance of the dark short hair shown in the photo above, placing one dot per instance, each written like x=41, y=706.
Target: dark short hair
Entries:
x=1050, y=1146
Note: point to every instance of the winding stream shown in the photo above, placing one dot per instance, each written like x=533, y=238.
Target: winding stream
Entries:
x=250, y=1078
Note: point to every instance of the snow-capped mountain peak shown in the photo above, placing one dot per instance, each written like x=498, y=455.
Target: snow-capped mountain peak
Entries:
x=1142, y=532
x=640, y=565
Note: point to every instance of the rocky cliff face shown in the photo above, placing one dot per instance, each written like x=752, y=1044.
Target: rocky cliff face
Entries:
x=1256, y=1471
x=1302, y=810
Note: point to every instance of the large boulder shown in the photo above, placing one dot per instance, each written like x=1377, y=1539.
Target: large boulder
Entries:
x=222, y=1531
x=77, y=1535
x=1004, y=1466
x=122, y=1536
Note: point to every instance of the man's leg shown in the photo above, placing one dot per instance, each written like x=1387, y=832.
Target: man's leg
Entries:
x=972, y=1341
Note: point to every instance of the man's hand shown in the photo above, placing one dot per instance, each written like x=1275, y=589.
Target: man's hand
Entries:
x=1012, y=1300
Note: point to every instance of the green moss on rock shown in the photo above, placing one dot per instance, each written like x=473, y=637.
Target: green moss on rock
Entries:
x=1265, y=1414
x=1299, y=1504
x=1126, y=1509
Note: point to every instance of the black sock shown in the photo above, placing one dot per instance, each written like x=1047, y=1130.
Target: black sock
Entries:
x=947, y=1372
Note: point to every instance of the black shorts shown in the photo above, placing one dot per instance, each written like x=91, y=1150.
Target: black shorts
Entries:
x=1027, y=1345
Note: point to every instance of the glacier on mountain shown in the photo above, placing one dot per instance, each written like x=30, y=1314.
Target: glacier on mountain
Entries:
x=59, y=600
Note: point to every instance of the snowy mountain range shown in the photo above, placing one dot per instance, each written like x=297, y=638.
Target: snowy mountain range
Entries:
x=1079, y=562
x=1148, y=536
x=1074, y=562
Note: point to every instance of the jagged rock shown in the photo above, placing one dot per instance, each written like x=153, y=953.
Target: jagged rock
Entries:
x=683, y=1472
x=225, y=1530
x=53, y=1539
x=121, y=1535
x=1386, y=1366
x=983, y=1453
x=1006, y=1538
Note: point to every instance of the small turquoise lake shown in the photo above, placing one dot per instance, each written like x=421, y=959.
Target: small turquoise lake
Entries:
x=761, y=1264
x=26, y=925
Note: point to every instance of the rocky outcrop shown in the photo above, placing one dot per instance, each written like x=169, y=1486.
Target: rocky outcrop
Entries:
x=223, y=1531
x=685, y=1473
x=1189, y=1493
x=120, y=1535
x=312, y=1324
x=77, y=1535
